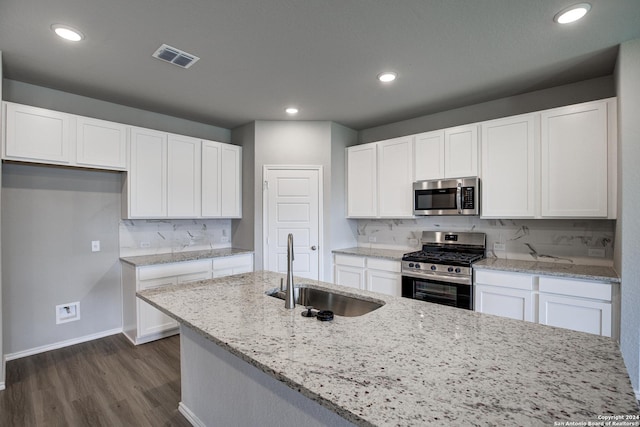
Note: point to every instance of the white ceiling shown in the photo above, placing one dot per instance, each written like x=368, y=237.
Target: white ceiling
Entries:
x=258, y=56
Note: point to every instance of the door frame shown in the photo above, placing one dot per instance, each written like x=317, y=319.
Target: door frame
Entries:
x=265, y=211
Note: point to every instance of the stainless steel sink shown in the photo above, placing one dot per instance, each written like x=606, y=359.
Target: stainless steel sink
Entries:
x=341, y=305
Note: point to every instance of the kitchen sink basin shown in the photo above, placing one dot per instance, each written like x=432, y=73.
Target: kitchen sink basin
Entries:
x=341, y=305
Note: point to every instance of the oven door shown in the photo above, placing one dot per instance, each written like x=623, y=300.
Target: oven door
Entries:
x=439, y=292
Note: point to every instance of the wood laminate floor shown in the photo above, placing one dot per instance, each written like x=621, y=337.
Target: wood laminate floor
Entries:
x=106, y=382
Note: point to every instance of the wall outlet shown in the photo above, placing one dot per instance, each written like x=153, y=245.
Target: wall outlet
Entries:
x=596, y=252
x=413, y=242
x=224, y=239
x=499, y=247
x=67, y=312
x=95, y=246
x=372, y=239
x=145, y=245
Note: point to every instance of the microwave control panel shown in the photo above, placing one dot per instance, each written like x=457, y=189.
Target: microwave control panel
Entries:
x=468, y=198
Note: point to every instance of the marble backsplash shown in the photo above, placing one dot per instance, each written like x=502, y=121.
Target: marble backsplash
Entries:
x=150, y=237
x=557, y=240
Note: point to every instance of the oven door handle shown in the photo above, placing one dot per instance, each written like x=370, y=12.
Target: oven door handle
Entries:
x=459, y=197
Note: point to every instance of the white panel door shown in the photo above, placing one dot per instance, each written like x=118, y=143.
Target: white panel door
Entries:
x=395, y=171
x=211, y=183
x=292, y=199
x=362, y=181
x=461, y=151
x=429, y=155
x=148, y=174
x=508, y=167
x=231, y=182
x=183, y=177
x=101, y=144
x=574, y=161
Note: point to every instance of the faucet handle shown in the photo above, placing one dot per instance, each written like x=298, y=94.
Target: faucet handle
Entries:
x=309, y=312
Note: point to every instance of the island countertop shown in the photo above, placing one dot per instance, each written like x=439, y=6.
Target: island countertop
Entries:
x=408, y=362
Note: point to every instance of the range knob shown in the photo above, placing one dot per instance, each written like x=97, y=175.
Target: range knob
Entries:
x=450, y=269
x=410, y=264
x=457, y=270
x=417, y=265
x=433, y=268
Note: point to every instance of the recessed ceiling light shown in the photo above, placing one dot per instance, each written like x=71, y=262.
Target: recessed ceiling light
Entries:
x=291, y=110
x=572, y=13
x=387, y=76
x=67, y=33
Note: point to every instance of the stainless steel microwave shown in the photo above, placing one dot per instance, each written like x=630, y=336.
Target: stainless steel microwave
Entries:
x=460, y=196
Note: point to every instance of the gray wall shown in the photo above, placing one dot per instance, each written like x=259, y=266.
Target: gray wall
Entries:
x=49, y=218
x=587, y=90
x=628, y=233
x=293, y=143
x=38, y=96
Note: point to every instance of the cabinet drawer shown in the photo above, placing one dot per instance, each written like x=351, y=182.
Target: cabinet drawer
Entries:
x=233, y=261
x=173, y=269
x=384, y=264
x=353, y=261
x=507, y=280
x=577, y=288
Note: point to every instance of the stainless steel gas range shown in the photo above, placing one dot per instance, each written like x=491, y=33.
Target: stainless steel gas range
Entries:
x=441, y=272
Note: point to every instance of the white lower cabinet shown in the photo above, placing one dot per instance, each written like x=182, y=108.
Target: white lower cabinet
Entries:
x=143, y=323
x=373, y=274
x=580, y=305
x=506, y=294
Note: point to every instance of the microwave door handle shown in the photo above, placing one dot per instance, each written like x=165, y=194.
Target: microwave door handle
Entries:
x=459, y=198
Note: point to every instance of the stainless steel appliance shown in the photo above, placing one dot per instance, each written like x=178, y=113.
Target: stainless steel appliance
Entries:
x=441, y=272
x=459, y=196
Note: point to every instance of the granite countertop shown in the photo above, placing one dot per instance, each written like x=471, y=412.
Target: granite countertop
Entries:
x=409, y=362
x=582, y=272
x=142, y=260
x=392, y=254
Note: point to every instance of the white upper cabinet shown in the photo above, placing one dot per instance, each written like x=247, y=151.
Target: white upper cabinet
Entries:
x=509, y=173
x=183, y=177
x=574, y=171
x=101, y=144
x=461, y=151
x=231, y=181
x=395, y=195
x=446, y=153
x=429, y=155
x=37, y=135
x=362, y=183
x=211, y=182
x=147, y=186
x=50, y=137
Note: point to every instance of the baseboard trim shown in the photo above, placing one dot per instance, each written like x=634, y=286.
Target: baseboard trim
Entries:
x=190, y=416
x=60, y=344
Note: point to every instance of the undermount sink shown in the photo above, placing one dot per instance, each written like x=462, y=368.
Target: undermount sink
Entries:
x=341, y=305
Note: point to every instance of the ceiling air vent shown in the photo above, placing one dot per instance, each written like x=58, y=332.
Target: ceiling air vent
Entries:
x=175, y=56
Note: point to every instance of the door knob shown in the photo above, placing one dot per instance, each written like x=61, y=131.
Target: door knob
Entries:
x=313, y=248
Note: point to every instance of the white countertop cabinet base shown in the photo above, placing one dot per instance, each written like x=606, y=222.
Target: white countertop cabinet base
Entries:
x=372, y=274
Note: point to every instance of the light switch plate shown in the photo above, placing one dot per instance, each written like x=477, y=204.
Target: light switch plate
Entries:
x=499, y=247
x=596, y=252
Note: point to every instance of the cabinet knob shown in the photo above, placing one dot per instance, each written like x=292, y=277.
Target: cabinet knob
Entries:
x=313, y=248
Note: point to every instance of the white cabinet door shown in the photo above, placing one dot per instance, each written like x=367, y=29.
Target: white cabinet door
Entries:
x=509, y=172
x=574, y=161
x=37, y=135
x=385, y=282
x=211, y=183
x=148, y=174
x=183, y=177
x=231, y=182
x=513, y=303
x=362, y=183
x=353, y=277
x=395, y=171
x=151, y=320
x=429, y=155
x=101, y=144
x=575, y=313
x=461, y=151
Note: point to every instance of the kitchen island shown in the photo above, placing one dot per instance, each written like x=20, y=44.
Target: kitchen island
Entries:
x=406, y=363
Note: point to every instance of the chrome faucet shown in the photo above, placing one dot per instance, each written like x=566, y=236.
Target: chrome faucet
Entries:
x=290, y=301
